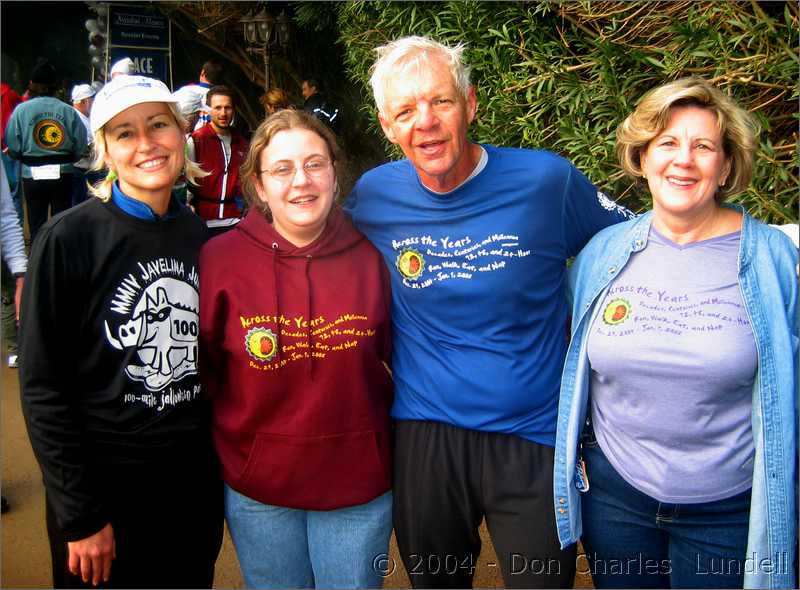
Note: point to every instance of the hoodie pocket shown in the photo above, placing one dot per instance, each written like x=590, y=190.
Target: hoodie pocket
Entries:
x=317, y=472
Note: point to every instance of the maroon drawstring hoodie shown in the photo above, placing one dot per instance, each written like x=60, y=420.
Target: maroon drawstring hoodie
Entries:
x=293, y=343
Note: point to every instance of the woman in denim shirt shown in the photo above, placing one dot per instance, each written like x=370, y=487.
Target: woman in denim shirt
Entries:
x=680, y=469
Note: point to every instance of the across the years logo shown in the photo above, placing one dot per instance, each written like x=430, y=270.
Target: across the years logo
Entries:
x=411, y=264
x=261, y=344
x=617, y=311
x=48, y=134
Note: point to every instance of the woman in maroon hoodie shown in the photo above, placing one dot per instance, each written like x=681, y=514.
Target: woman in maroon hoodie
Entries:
x=295, y=334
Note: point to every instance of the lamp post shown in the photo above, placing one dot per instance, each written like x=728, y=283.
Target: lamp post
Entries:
x=261, y=33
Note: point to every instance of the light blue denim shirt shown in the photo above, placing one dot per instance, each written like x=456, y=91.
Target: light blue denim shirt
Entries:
x=768, y=282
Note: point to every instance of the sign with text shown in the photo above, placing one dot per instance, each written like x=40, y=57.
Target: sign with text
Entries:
x=146, y=62
x=142, y=34
x=138, y=26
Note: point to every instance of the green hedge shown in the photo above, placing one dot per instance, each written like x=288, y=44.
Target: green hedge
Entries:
x=562, y=75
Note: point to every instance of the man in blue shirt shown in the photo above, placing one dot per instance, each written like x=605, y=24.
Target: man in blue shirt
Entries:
x=476, y=238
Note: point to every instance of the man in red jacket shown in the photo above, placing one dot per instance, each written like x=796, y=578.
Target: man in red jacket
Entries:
x=220, y=150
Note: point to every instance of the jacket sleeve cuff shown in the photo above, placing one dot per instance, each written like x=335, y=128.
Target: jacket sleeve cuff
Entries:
x=85, y=527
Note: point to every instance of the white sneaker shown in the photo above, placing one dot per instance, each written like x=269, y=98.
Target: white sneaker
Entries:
x=12, y=361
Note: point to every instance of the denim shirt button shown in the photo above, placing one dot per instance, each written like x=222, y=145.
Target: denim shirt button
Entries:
x=638, y=243
x=612, y=270
x=562, y=501
x=561, y=511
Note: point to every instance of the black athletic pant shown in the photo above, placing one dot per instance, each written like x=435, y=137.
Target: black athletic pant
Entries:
x=168, y=526
x=43, y=195
x=447, y=479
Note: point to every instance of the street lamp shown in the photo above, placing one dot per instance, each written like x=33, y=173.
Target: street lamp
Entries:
x=261, y=33
x=283, y=30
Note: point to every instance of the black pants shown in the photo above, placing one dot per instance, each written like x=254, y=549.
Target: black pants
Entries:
x=447, y=479
x=43, y=195
x=168, y=524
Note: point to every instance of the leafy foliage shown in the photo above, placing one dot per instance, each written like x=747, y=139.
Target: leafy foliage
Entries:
x=562, y=75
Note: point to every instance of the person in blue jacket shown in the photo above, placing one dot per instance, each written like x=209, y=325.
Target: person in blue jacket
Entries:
x=676, y=449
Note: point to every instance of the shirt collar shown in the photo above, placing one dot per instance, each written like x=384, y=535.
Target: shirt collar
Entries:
x=140, y=210
x=482, y=161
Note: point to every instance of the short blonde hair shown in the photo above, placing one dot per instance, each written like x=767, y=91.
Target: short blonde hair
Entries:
x=405, y=51
x=737, y=127
x=250, y=171
x=102, y=190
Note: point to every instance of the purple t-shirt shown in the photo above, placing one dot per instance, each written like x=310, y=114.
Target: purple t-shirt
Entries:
x=673, y=363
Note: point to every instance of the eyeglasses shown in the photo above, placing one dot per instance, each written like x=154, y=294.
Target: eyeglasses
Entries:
x=286, y=171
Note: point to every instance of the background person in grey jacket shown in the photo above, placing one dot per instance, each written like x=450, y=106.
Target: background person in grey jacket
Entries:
x=12, y=244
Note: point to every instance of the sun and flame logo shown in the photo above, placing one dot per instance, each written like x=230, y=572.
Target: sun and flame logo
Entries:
x=411, y=264
x=616, y=312
x=261, y=344
x=48, y=134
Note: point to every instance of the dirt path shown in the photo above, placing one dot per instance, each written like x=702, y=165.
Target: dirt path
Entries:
x=25, y=551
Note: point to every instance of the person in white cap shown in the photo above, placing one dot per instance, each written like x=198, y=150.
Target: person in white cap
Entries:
x=110, y=390
x=211, y=74
x=123, y=67
x=82, y=99
x=192, y=106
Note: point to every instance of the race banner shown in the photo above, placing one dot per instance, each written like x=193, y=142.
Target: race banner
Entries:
x=144, y=35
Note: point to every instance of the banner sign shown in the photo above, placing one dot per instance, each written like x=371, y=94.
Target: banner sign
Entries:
x=137, y=26
x=142, y=34
x=146, y=62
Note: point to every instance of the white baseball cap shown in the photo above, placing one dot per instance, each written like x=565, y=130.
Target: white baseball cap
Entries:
x=124, y=92
x=190, y=101
x=123, y=66
x=81, y=92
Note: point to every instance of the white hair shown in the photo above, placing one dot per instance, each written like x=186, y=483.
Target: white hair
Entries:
x=406, y=51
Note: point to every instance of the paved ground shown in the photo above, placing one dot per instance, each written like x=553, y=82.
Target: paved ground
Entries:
x=25, y=552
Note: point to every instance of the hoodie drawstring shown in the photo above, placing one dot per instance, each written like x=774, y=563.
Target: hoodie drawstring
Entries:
x=275, y=304
x=309, y=317
x=339, y=236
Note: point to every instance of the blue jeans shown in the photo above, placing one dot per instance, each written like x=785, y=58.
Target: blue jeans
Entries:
x=634, y=541
x=282, y=547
